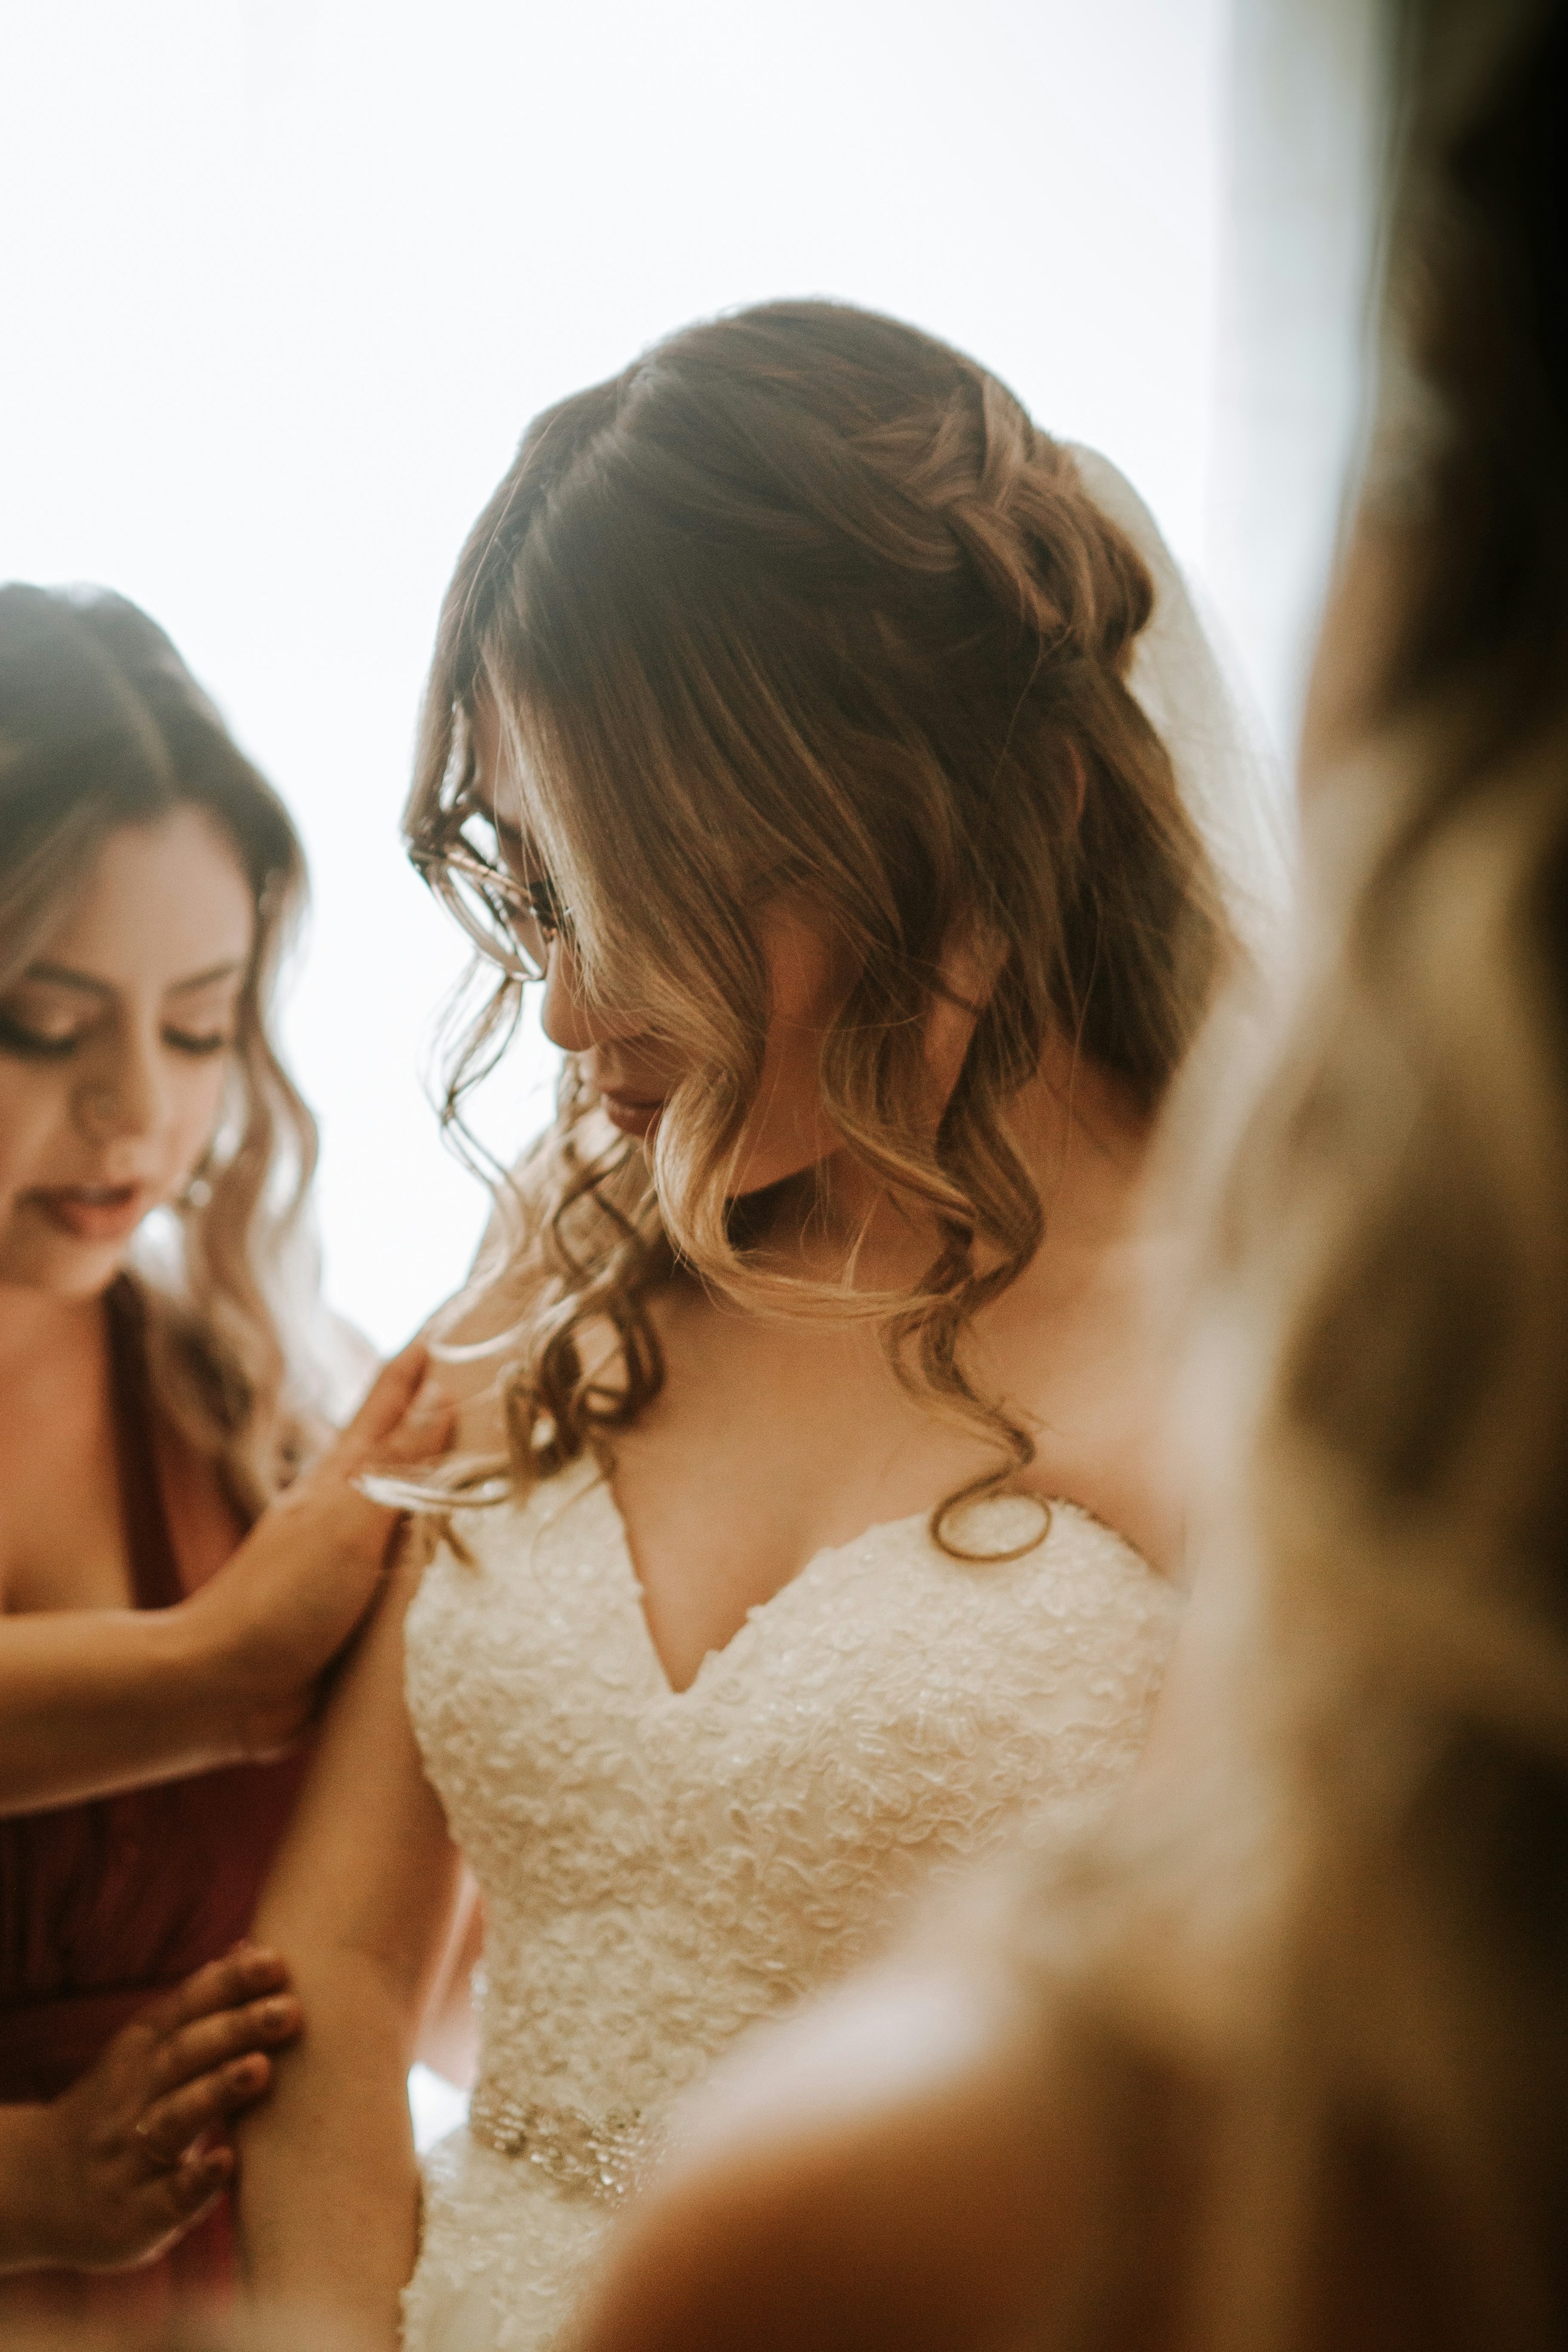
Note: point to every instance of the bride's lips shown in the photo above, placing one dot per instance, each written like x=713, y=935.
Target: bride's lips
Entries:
x=633, y=1114
x=93, y=1213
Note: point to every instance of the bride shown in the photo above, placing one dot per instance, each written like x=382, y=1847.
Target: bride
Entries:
x=789, y=723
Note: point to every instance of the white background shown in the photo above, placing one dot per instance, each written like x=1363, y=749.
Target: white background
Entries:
x=287, y=278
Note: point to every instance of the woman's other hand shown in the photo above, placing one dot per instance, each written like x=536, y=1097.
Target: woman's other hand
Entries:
x=111, y=2172
x=277, y=1613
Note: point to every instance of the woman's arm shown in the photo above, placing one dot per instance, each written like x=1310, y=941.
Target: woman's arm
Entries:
x=97, y=1700
x=361, y=1901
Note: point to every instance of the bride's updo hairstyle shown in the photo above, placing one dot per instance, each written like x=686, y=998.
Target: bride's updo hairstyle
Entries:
x=802, y=602
x=102, y=725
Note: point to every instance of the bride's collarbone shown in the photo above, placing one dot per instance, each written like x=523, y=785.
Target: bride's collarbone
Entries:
x=770, y=1445
x=720, y=1523
x=711, y=1536
x=728, y=1489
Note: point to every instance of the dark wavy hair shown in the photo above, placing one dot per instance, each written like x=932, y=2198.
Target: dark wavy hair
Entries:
x=102, y=725
x=804, y=600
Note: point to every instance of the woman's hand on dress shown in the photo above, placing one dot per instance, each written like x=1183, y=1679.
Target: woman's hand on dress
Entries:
x=277, y=1613
x=111, y=2172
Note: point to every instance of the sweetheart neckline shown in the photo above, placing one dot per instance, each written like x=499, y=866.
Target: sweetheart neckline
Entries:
x=585, y=1477
x=602, y=1482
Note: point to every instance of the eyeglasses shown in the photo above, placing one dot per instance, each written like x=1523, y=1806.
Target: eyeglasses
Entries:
x=513, y=923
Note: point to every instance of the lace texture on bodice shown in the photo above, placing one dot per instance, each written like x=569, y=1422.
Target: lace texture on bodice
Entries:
x=662, y=1869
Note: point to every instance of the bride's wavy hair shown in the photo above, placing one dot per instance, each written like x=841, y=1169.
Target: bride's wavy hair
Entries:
x=803, y=601
x=102, y=725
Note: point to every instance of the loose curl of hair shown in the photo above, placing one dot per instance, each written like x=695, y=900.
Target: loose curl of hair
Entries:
x=803, y=601
x=102, y=726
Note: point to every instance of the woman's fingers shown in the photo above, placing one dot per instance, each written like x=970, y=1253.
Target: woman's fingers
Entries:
x=403, y=1420
x=209, y=2043
x=173, y=2199
x=423, y=1433
x=249, y=1973
x=171, y=2125
x=392, y=1393
x=207, y=2059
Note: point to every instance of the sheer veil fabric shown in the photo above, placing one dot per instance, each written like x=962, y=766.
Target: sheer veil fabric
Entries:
x=1187, y=691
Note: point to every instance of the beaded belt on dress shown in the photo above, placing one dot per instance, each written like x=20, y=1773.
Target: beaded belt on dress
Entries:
x=601, y=2156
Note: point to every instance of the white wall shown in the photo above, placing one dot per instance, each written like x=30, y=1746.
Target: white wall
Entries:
x=1309, y=95
x=288, y=277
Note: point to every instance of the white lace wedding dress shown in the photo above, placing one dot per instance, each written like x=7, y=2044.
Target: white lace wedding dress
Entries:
x=661, y=1869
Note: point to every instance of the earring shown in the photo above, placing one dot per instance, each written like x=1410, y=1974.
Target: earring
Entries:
x=196, y=1191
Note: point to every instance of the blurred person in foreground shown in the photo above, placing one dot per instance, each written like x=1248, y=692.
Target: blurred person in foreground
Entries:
x=1283, y=2061
x=165, y=1619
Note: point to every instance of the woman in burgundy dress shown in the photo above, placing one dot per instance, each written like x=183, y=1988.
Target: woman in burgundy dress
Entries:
x=162, y=1631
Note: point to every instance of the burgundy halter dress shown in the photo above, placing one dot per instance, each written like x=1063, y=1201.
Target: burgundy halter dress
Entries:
x=106, y=1903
